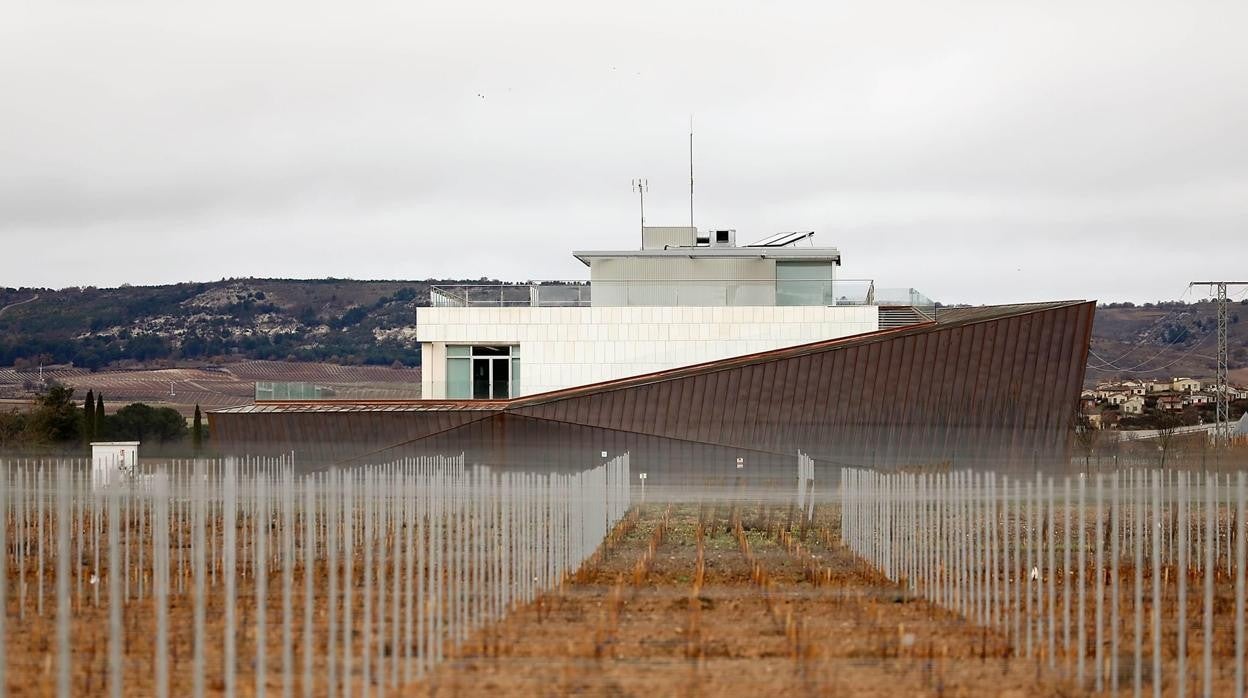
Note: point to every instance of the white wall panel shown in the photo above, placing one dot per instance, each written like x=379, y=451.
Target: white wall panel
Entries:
x=564, y=347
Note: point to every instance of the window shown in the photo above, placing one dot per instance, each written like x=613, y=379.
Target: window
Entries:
x=804, y=283
x=482, y=372
x=458, y=372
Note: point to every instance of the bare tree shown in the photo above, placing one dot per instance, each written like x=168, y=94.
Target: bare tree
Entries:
x=1167, y=430
x=1087, y=435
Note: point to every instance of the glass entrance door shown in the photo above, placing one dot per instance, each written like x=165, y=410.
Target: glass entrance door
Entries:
x=500, y=378
x=491, y=373
x=482, y=372
x=480, y=379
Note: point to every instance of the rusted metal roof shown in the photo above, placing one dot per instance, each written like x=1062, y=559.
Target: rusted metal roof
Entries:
x=997, y=382
x=959, y=316
x=946, y=316
x=335, y=433
x=334, y=406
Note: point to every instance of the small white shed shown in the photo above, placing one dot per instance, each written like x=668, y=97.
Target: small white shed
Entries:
x=110, y=459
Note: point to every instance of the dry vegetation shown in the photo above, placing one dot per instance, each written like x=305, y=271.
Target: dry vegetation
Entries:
x=723, y=600
x=683, y=598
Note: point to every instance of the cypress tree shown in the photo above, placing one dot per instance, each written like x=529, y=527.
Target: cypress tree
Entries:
x=197, y=430
x=88, y=417
x=98, y=429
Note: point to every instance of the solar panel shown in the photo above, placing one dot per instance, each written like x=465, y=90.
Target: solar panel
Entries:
x=767, y=240
x=782, y=239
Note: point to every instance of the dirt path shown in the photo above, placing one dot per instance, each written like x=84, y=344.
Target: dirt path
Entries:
x=759, y=615
x=14, y=305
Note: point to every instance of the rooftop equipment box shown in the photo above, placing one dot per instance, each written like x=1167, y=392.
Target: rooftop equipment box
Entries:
x=660, y=237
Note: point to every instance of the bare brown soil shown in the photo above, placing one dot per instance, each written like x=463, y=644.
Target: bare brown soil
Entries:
x=681, y=600
x=770, y=617
x=31, y=649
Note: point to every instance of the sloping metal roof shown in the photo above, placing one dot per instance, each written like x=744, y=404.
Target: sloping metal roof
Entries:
x=997, y=383
x=989, y=312
x=952, y=316
x=333, y=406
x=962, y=317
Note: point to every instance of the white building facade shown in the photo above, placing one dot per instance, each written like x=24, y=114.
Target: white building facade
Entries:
x=683, y=299
x=554, y=348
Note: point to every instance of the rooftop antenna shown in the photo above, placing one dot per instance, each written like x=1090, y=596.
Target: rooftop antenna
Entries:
x=691, y=170
x=641, y=185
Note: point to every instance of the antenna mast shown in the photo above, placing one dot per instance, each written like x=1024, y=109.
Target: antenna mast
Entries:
x=641, y=185
x=690, y=170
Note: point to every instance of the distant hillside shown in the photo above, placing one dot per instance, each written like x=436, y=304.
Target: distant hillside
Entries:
x=1162, y=340
x=331, y=320
x=373, y=322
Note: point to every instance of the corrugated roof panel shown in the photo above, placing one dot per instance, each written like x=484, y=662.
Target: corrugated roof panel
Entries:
x=996, y=382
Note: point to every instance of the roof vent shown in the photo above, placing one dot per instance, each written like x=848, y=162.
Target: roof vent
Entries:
x=723, y=238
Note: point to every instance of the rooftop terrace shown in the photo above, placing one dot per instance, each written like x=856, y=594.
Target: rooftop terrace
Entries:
x=679, y=293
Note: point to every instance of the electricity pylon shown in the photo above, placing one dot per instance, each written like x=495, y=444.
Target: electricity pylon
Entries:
x=1222, y=427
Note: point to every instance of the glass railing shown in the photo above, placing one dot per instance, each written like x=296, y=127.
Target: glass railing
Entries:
x=298, y=391
x=908, y=297
x=454, y=389
x=668, y=293
x=545, y=294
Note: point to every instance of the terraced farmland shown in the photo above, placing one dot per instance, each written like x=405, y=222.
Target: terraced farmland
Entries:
x=228, y=385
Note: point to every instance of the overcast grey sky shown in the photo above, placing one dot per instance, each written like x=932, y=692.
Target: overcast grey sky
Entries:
x=979, y=151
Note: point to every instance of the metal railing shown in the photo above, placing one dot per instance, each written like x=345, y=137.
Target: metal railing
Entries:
x=678, y=293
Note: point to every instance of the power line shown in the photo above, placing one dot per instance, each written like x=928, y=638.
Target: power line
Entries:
x=1139, y=343
x=1167, y=345
x=1112, y=365
x=1182, y=356
x=1133, y=369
